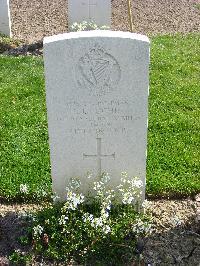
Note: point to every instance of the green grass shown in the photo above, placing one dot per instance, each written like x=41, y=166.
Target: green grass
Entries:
x=24, y=149
x=173, y=164
x=196, y=5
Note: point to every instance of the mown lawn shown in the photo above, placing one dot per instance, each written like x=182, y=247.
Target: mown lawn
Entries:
x=174, y=116
x=24, y=148
x=173, y=166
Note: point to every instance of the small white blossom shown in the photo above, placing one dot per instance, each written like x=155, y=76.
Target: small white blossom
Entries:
x=73, y=200
x=85, y=25
x=130, y=189
x=105, y=178
x=23, y=188
x=88, y=217
x=89, y=175
x=55, y=198
x=146, y=204
x=123, y=180
x=41, y=192
x=63, y=220
x=142, y=227
x=97, y=222
x=104, y=214
x=74, y=184
x=47, y=221
x=124, y=175
x=106, y=229
x=137, y=183
x=98, y=186
x=37, y=230
x=176, y=221
x=127, y=199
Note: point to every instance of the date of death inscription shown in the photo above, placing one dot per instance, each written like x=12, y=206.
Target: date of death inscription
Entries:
x=99, y=118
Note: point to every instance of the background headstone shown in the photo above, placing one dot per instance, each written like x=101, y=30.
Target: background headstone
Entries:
x=5, y=24
x=98, y=11
x=97, y=97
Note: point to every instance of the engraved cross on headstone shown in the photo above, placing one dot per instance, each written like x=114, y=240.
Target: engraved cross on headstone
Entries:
x=99, y=156
x=90, y=4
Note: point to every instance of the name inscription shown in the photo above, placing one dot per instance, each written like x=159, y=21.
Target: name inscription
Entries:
x=102, y=117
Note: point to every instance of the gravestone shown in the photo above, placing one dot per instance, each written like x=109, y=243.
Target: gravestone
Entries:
x=98, y=11
x=97, y=97
x=5, y=24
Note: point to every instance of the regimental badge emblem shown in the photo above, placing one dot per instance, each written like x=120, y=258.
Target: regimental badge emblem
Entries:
x=98, y=71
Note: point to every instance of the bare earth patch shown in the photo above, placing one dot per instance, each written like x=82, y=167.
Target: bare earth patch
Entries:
x=32, y=20
x=175, y=239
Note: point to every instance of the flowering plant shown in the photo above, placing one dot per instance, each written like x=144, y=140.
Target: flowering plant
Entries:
x=84, y=26
x=95, y=229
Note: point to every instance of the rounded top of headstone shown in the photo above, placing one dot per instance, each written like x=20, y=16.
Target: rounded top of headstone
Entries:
x=96, y=33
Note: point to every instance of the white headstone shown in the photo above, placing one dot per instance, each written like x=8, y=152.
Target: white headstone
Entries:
x=97, y=97
x=98, y=11
x=5, y=24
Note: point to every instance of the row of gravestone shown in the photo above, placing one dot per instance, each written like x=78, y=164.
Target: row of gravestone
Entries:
x=78, y=10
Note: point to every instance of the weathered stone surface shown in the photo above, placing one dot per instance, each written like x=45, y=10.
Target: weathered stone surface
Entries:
x=97, y=96
x=5, y=24
x=90, y=10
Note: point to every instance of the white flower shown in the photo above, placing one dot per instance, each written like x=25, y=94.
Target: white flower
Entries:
x=176, y=221
x=142, y=227
x=137, y=183
x=37, y=230
x=104, y=214
x=108, y=207
x=23, y=188
x=47, y=221
x=89, y=176
x=123, y=180
x=63, y=219
x=55, y=198
x=129, y=189
x=106, y=229
x=127, y=198
x=74, y=184
x=146, y=204
x=41, y=192
x=97, y=186
x=88, y=217
x=97, y=222
x=105, y=178
x=124, y=175
x=73, y=200
x=85, y=25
